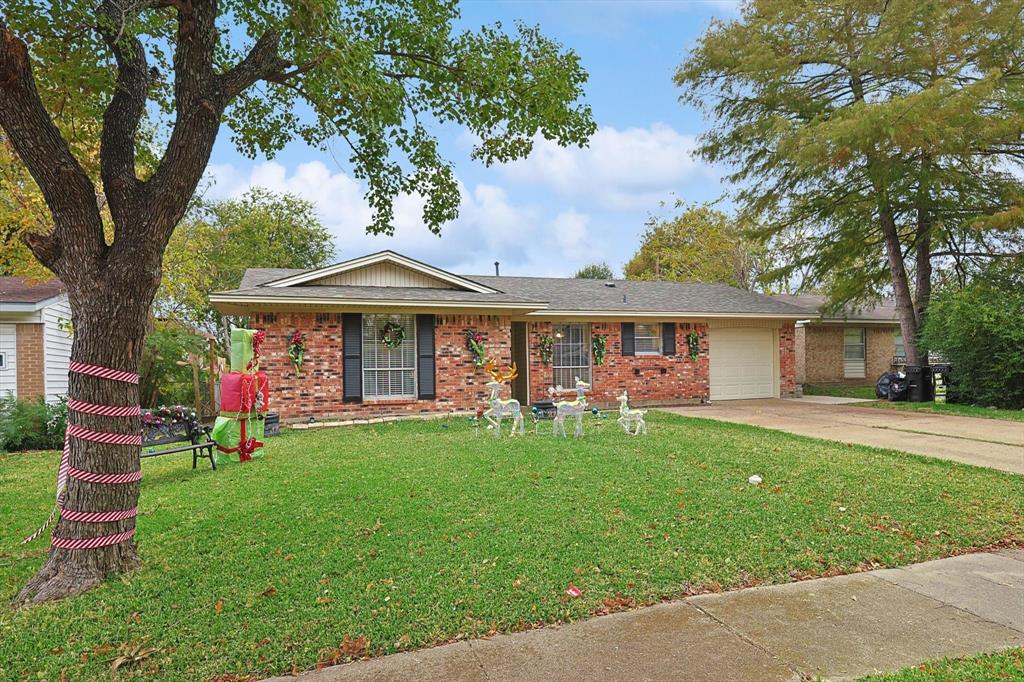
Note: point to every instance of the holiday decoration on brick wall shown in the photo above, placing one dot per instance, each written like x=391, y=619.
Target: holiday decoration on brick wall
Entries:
x=297, y=350
x=475, y=345
x=599, y=346
x=547, y=348
x=693, y=344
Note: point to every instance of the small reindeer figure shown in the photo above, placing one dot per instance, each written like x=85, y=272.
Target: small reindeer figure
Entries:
x=571, y=408
x=499, y=409
x=630, y=417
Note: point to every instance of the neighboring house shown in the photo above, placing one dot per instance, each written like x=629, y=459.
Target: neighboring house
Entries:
x=853, y=348
x=744, y=341
x=35, y=339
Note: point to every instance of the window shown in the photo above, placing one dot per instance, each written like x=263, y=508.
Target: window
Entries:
x=570, y=357
x=389, y=372
x=900, y=350
x=647, y=339
x=3, y=361
x=853, y=353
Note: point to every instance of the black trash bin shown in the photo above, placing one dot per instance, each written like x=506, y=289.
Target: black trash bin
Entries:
x=919, y=383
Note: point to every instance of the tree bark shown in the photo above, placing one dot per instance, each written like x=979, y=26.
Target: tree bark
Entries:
x=109, y=330
x=901, y=285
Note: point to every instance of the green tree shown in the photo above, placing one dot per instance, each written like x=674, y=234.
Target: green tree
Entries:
x=379, y=75
x=595, y=271
x=883, y=131
x=211, y=249
x=701, y=244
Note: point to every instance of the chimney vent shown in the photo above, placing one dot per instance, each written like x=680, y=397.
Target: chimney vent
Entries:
x=497, y=266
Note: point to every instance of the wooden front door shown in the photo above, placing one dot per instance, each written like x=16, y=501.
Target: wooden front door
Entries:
x=521, y=356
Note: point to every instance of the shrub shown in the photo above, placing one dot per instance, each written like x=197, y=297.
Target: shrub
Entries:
x=32, y=424
x=980, y=330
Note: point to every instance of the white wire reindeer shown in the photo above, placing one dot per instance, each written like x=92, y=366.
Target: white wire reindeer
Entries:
x=499, y=409
x=571, y=408
x=631, y=417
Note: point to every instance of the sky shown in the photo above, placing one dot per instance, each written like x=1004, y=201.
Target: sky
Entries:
x=560, y=208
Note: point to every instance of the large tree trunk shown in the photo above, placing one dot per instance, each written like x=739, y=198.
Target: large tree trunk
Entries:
x=109, y=317
x=901, y=285
x=922, y=268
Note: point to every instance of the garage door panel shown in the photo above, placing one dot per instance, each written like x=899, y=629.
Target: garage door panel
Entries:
x=742, y=363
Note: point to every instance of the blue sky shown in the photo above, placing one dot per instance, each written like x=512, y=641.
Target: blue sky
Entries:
x=560, y=208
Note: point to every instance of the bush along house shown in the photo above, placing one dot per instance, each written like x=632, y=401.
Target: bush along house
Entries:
x=388, y=335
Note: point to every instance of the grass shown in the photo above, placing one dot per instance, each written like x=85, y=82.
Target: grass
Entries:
x=410, y=534
x=1003, y=665
x=951, y=408
x=842, y=391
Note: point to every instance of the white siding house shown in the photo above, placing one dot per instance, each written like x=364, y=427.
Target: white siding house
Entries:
x=35, y=343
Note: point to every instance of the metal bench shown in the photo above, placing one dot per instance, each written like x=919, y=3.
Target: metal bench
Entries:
x=167, y=426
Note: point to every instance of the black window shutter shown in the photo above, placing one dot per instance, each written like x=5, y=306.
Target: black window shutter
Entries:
x=425, y=357
x=628, y=342
x=668, y=338
x=352, y=348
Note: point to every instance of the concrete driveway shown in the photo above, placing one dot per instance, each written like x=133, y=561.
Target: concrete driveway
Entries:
x=986, y=442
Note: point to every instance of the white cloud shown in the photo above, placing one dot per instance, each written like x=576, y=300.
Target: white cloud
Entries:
x=622, y=170
x=490, y=226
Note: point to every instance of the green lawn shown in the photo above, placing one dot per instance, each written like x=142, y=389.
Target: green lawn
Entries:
x=842, y=391
x=410, y=534
x=951, y=408
x=1004, y=665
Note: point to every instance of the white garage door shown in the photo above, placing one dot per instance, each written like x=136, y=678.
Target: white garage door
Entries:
x=742, y=363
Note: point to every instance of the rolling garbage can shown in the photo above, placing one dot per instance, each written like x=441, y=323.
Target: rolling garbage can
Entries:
x=940, y=380
x=919, y=383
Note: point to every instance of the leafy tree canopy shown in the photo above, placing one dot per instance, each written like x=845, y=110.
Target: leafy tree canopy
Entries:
x=595, y=271
x=211, y=249
x=700, y=244
x=884, y=132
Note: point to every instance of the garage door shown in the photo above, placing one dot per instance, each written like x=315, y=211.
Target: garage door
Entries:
x=742, y=363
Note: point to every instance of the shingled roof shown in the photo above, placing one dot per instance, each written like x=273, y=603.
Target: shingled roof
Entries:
x=21, y=290
x=882, y=311
x=546, y=295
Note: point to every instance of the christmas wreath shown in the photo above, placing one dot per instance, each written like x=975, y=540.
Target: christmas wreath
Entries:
x=599, y=346
x=547, y=348
x=693, y=343
x=392, y=335
x=297, y=349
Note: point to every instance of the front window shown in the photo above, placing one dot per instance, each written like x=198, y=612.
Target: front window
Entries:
x=647, y=339
x=900, y=350
x=853, y=353
x=570, y=356
x=389, y=372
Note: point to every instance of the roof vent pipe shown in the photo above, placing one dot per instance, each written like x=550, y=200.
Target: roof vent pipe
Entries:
x=497, y=265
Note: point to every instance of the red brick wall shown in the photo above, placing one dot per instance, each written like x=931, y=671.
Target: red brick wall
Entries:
x=649, y=379
x=318, y=391
x=30, y=360
x=787, y=360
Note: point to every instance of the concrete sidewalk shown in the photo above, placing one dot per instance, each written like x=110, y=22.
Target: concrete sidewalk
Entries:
x=841, y=627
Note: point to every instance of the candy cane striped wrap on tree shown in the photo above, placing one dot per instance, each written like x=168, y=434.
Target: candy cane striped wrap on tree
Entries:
x=66, y=471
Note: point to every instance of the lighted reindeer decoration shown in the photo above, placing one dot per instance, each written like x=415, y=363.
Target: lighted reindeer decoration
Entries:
x=631, y=417
x=571, y=408
x=499, y=409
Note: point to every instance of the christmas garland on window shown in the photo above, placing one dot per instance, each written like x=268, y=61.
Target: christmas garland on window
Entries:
x=392, y=335
x=693, y=342
x=475, y=345
x=599, y=345
x=547, y=348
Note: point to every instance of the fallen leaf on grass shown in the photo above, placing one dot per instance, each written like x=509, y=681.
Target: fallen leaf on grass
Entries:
x=269, y=592
x=219, y=606
x=323, y=600
x=132, y=654
x=574, y=591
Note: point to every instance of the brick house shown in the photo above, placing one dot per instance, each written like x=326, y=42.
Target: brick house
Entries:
x=852, y=348
x=742, y=343
x=35, y=343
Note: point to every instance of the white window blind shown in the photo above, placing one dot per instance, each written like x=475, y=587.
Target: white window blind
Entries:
x=389, y=372
x=570, y=354
x=853, y=353
x=647, y=339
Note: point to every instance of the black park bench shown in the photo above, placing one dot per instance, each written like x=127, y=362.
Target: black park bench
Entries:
x=170, y=425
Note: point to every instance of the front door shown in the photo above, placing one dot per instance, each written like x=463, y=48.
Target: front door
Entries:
x=521, y=356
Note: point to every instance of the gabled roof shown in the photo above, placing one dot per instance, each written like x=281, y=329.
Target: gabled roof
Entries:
x=20, y=290
x=881, y=312
x=387, y=256
x=534, y=296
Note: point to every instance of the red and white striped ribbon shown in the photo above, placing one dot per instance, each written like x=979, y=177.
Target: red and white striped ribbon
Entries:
x=92, y=543
x=66, y=471
x=103, y=372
